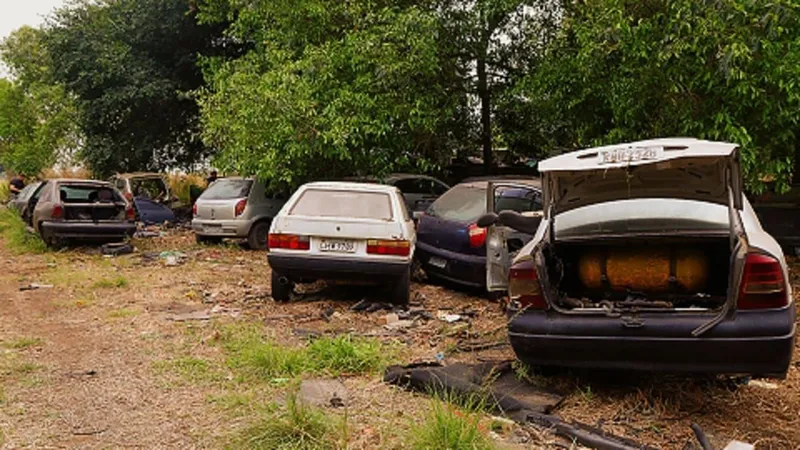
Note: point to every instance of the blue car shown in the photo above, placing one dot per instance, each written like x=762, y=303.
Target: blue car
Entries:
x=450, y=244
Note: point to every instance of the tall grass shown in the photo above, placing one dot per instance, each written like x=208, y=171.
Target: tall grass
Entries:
x=180, y=185
x=452, y=428
x=16, y=235
x=79, y=173
x=5, y=191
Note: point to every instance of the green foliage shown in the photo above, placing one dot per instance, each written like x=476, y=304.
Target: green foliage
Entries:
x=17, y=237
x=5, y=191
x=294, y=427
x=132, y=66
x=110, y=283
x=621, y=70
x=448, y=427
x=347, y=354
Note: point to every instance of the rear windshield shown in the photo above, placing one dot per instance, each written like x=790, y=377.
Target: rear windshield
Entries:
x=468, y=203
x=355, y=204
x=151, y=188
x=73, y=193
x=228, y=189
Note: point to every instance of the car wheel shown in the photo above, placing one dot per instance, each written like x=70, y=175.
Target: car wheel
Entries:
x=207, y=239
x=402, y=289
x=258, y=237
x=281, y=292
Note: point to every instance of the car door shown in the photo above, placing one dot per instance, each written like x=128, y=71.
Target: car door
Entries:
x=502, y=241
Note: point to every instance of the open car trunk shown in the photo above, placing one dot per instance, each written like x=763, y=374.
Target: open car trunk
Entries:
x=638, y=273
x=91, y=203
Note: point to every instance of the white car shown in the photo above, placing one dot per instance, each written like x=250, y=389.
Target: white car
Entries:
x=649, y=257
x=342, y=231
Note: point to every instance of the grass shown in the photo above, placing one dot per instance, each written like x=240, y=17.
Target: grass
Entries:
x=5, y=191
x=191, y=369
x=111, y=283
x=18, y=239
x=449, y=427
x=123, y=313
x=293, y=427
x=22, y=343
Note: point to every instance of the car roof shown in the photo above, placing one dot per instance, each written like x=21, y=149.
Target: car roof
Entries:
x=484, y=182
x=350, y=186
x=587, y=159
x=140, y=175
x=79, y=181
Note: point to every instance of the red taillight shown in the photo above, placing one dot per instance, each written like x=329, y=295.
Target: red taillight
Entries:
x=130, y=213
x=58, y=212
x=477, y=236
x=240, y=207
x=289, y=242
x=394, y=248
x=129, y=196
x=763, y=285
x=524, y=287
x=194, y=210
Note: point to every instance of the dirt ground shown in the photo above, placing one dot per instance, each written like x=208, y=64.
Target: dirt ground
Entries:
x=98, y=360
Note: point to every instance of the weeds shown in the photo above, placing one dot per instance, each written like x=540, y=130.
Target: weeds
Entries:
x=346, y=354
x=22, y=343
x=110, y=283
x=123, y=313
x=448, y=427
x=5, y=191
x=18, y=239
x=189, y=368
x=295, y=427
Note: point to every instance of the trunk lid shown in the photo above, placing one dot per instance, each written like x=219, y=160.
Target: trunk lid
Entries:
x=446, y=235
x=681, y=168
x=217, y=209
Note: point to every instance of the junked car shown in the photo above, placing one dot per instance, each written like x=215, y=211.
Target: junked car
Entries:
x=20, y=201
x=149, y=193
x=61, y=210
x=238, y=208
x=357, y=232
x=451, y=245
x=649, y=257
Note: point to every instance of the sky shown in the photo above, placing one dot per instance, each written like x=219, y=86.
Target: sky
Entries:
x=16, y=13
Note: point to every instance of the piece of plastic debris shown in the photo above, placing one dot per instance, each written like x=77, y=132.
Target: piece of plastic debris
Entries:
x=439, y=356
x=763, y=384
x=739, y=445
x=34, y=286
x=390, y=318
x=399, y=325
x=116, y=249
x=449, y=318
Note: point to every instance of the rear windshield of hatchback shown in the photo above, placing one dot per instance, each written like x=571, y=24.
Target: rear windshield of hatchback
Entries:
x=228, y=189
x=339, y=203
x=76, y=193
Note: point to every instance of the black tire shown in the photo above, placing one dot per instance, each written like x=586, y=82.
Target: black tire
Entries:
x=258, y=237
x=401, y=292
x=281, y=292
x=204, y=240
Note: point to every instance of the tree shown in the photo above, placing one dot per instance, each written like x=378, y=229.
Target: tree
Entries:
x=623, y=70
x=132, y=64
x=37, y=117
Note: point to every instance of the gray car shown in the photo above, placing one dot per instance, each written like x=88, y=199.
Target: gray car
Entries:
x=19, y=202
x=237, y=208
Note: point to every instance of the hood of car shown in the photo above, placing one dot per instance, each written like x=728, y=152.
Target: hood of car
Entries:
x=681, y=168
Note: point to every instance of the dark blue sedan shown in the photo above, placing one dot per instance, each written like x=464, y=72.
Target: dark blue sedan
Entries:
x=451, y=246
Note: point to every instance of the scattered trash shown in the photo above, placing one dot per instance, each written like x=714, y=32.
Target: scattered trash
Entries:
x=35, y=286
x=146, y=234
x=449, y=318
x=323, y=393
x=390, y=318
x=173, y=258
x=738, y=445
x=83, y=373
x=189, y=316
x=763, y=384
x=369, y=306
x=399, y=325
x=439, y=357
x=220, y=309
x=116, y=249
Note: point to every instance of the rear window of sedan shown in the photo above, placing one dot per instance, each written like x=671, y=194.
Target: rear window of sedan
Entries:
x=73, y=193
x=338, y=203
x=228, y=189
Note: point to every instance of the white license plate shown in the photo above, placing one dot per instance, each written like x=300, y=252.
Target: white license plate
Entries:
x=435, y=261
x=631, y=154
x=337, y=246
x=212, y=229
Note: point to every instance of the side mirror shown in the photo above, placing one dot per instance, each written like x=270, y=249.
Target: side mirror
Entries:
x=488, y=220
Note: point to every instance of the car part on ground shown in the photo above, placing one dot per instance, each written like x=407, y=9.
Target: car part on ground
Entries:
x=236, y=208
x=452, y=244
x=61, y=210
x=648, y=258
x=343, y=231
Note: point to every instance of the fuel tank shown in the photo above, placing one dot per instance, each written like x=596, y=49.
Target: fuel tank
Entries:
x=645, y=269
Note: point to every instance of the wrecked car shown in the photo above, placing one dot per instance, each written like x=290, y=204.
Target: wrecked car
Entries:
x=649, y=257
x=451, y=245
x=19, y=202
x=63, y=210
x=235, y=208
x=419, y=191
x=356, y=232
x=150, y=195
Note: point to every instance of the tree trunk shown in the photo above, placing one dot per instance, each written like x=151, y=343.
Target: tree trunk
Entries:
x=486, y=114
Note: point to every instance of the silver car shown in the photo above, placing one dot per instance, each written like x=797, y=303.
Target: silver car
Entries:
x=237, y=208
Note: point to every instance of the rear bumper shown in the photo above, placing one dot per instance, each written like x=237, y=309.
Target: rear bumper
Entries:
x=298, y=268
x=221, y=228
x=88, y=231
x=468, y=270
x=755, y=342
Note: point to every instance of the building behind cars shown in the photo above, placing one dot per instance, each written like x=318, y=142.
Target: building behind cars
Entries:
x=343, y=231
x=649, y=257
x=236, y=208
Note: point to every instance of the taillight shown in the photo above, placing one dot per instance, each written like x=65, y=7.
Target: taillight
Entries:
x=130, y=213
x=240, y=206
x=477, y=236
x=289, y=242
x=58, y=212
x=129, y=196
x=194, y=210
x=394, y=248
x=524, y=287
x=763, y=285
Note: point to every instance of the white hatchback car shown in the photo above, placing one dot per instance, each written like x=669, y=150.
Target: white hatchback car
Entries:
x=342, y=231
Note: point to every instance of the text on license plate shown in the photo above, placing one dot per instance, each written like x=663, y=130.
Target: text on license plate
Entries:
x=435, y=261
x=630, y=154
x=339, y=246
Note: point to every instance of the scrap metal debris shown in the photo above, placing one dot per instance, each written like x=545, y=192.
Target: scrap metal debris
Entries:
x=116, y=249
x=35, y=286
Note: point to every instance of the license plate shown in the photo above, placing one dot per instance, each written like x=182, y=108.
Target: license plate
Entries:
x=327, y=245
x=632, y=154
x=212, y=229
x=435, y=261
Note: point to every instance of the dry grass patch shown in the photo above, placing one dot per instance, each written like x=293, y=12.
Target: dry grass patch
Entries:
x=22, y=343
